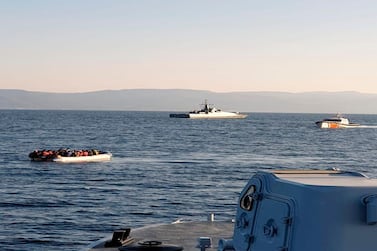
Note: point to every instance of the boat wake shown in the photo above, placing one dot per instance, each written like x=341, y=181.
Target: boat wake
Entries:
x=367, y=126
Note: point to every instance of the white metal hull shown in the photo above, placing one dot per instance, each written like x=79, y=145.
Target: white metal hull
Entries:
x=334, y=125
x=211, y=115
x=217, y=115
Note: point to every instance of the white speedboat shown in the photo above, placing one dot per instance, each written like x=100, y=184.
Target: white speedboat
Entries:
x=336, y=122
x=209, y=112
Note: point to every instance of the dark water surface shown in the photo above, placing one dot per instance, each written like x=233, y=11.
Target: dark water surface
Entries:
x=163, y=168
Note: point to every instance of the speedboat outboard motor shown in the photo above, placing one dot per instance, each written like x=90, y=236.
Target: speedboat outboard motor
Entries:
x=310, y=210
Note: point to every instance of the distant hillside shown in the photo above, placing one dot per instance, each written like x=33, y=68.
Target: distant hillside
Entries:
x=186, y=100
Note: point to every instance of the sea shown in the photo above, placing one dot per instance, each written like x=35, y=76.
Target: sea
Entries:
x=163, y=169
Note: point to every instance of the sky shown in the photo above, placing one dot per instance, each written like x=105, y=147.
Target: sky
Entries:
x=215, y=45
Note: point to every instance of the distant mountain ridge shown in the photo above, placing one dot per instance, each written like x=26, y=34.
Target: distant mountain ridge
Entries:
x=185, y=100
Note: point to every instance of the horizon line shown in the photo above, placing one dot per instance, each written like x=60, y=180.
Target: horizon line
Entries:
x=178, y=89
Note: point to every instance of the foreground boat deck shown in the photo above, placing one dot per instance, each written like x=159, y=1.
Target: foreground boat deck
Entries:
x=301, y=210
x=185, y=235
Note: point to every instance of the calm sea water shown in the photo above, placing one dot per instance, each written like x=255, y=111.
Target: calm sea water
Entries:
x=163, y=168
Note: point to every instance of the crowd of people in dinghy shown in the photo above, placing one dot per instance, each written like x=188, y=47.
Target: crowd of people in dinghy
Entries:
x=51, y=154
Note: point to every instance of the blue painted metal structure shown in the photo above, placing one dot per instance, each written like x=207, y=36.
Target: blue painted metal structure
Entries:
x=306, y=211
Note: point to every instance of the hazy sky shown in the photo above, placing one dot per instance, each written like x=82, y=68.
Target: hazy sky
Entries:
x=222, y=46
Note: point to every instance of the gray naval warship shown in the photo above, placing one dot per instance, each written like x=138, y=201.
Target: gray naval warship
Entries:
x=283, y=210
